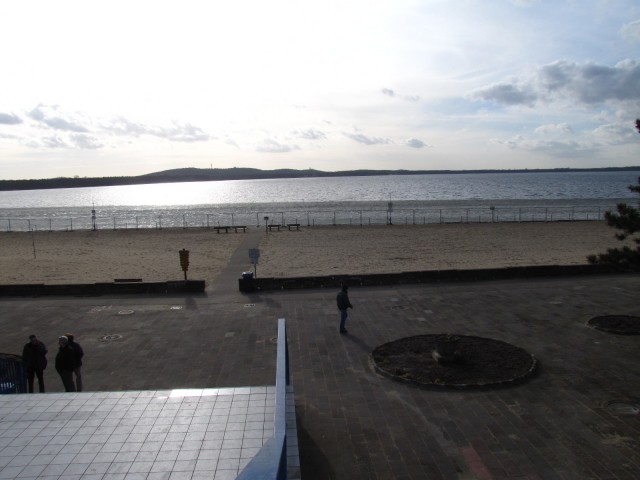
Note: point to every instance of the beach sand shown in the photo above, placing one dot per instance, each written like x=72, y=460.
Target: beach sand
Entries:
x=403, y=248
x=152, y=255
x=84, y=256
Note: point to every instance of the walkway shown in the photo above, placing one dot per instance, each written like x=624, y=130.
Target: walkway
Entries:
x=227, y=281
x=574, y=420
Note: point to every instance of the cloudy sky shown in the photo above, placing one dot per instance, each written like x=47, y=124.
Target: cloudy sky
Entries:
x=110, y=88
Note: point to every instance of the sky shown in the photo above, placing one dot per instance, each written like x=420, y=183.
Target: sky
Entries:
x=120, y=88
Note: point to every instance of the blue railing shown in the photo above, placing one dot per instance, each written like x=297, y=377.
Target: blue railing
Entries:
x=13, y=378
x=271, y=461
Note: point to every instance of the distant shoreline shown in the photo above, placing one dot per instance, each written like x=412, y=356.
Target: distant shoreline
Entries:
x=220, y=174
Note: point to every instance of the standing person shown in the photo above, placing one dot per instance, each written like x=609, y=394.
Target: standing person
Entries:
x=79, y=354
x=34, y=357
x=343, y=305
x=65, y=363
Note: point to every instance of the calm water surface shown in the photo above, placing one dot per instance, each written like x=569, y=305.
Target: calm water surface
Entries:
x=247, y=201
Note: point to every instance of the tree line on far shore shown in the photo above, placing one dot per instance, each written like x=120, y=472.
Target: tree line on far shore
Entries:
x=217, y=174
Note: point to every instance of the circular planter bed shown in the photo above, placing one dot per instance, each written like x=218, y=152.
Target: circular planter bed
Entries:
x=478, y=362
x=623, y=324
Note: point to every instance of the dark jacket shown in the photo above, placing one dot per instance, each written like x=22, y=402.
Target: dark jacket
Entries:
x=35, y=356
x=65, y=359
x=79, y=353
x=343, y=300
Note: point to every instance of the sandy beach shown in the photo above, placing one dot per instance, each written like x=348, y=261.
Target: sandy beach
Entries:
x=152, y=255
x=85, y=256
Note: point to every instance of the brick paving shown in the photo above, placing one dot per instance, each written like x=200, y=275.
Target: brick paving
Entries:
x=355, y=424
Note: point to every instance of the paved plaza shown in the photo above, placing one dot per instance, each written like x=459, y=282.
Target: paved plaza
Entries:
x=574, y=420
x=187, y=434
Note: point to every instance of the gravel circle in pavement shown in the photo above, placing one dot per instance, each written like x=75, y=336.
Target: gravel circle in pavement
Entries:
x=479, y=362
x=623, y=324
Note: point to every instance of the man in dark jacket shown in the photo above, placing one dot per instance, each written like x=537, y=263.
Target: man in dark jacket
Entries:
x=65, y=363
x=343, y=305
x=79, y=354
x=34, y=357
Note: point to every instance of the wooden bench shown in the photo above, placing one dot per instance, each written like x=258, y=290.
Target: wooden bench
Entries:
x=225, y=228
x=297, y=225
x=243, y=227
x=274, y=225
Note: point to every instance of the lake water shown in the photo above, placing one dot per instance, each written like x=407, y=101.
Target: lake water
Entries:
x=360, y=200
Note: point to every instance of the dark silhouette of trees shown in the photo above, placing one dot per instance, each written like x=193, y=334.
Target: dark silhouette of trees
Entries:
x=626, y=219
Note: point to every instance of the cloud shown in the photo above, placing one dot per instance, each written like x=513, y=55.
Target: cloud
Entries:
x=52, y=141
x=554, y=128
x=588, y=84
x=49, y=116
x=415, y=143
x=507, y=94
x=123, y=126
x=74, y=140
x=591, y=83
x=360, y=138
x=272, y=146
x=232, y=142
x=524, y=3
x=615, y=133
x=564, y=149
x=184, y=133
x=310, y=134
x=74, y=133
x=631, y=31
x=555, y=148
x=7, y=136
x=176, y=133
x=409, y=98
x=85, y=142
x=9, y=119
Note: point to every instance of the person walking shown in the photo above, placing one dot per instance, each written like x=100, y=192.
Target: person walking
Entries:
x=34, y=357
x=65, y=363
x=79, y=354
x=343, y=304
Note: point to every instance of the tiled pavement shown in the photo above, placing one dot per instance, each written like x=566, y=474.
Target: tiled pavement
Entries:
x=149, y=435
x=354, y=424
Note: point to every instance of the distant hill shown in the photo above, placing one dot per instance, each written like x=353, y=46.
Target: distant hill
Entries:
x=217, y=174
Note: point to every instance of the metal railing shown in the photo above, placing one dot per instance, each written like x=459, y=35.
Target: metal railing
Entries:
x=198, y=219
x=271, y=461
x=13, y=377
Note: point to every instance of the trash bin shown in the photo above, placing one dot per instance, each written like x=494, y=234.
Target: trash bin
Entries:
x=246, y=282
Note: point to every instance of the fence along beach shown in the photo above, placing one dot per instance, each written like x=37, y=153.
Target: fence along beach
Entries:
x=354, y=213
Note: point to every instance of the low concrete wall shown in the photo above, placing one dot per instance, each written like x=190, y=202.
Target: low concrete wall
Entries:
x=435, y=276
x=178, y=286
